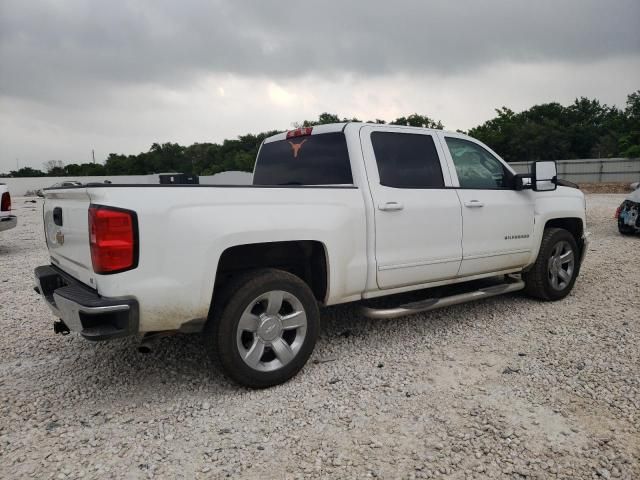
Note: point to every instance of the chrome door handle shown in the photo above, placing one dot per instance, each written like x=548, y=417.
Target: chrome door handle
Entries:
x=473, y=204
x=390, y=206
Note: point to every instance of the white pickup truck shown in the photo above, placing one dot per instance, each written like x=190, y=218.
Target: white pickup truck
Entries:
x=336, y=213
x=7, y=220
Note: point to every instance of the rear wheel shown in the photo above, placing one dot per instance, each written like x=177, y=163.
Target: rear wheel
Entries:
x=553, y=275
x=266, y=329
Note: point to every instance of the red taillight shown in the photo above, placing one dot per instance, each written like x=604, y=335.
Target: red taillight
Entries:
x=299, y=132
x=5, y=203
x=618, y=212
x=113, y=239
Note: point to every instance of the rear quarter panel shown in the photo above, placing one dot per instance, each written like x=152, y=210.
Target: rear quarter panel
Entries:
x=184, y=230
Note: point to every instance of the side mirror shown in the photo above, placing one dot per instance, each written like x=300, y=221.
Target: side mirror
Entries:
x=522, y=181
x=545, y=176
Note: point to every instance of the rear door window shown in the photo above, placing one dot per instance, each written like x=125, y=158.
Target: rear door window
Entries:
x=407, y=160
x=310, y=160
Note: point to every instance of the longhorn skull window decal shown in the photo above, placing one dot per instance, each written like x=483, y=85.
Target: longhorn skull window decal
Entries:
x=295, y=147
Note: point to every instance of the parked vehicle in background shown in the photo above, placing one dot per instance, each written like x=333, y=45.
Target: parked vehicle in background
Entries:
x=7, y=220
x=175, y=178
x=336, y=213
x=67, y=183
x=628, y=214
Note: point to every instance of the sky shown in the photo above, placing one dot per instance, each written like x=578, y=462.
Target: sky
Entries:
x=117, y=76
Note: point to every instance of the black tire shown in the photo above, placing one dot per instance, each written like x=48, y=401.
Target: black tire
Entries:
x=225, y=339
x=624, y=229
x=538, y=279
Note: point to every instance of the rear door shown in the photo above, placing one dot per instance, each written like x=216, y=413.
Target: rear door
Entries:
x=497, y=219
x=66, y=225
x=418, y=222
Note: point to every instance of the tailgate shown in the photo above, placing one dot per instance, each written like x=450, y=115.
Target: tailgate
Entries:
x=66, y=226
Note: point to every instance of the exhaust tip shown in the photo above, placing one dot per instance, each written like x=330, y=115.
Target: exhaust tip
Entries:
x=144, y=349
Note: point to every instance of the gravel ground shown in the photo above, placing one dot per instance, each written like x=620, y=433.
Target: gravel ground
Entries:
x=606, y=187
x=507, y=387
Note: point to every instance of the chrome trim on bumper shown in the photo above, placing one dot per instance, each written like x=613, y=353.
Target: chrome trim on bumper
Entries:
x=70, y=311
x=82, y=309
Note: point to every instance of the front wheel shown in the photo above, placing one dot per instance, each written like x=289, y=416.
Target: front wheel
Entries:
x=266, y=329
x=554, y=273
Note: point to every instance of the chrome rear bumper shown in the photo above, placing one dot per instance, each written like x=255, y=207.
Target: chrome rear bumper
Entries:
x=82, y=309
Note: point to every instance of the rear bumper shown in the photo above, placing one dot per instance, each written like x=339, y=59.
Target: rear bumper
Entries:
x=8, y=222
x=83, y=310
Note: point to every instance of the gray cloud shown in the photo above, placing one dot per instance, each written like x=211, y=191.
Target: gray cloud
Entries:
x=116, y=76
x=55, y=50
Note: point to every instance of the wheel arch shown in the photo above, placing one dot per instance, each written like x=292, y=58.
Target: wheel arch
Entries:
x=306, y=259
x=573, y=224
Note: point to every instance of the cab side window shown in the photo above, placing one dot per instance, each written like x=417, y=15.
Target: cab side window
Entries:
x=407, y=160
x=476, y=167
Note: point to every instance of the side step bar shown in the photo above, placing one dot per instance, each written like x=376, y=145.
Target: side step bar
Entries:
x=513, y=285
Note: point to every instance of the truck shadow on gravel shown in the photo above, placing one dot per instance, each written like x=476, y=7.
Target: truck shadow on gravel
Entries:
x=175, y=364
x=7, y=250
x=180, y=363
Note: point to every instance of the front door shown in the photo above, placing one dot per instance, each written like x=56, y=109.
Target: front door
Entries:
x=418, y=223
x=497, y=219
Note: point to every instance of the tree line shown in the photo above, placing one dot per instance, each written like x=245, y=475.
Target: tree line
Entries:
x=551, y=131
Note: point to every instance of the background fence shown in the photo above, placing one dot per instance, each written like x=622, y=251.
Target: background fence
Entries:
x=593, y=170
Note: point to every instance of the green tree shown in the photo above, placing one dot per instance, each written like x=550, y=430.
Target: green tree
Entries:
x=26, y=172
x=54, y=168
x=586, y=128
x=323, y=119
x=117, y=164
x=415, y=120
x=629, y=142
x=551, y=131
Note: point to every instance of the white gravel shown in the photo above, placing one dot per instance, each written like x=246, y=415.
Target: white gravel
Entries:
x=508, y=387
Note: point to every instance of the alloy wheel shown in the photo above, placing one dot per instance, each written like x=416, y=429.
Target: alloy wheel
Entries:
x=561, y=265
x=271, y=330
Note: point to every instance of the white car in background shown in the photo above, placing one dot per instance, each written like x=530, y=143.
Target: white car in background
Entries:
x=7, y=220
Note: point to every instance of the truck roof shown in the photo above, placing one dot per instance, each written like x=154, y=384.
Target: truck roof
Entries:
x=337, y=127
